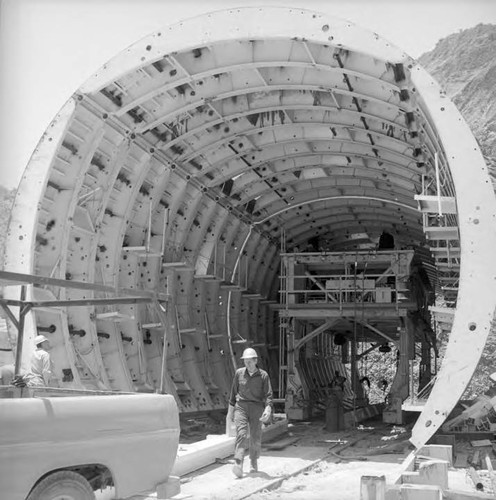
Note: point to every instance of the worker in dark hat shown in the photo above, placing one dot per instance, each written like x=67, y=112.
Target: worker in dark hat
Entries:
x=250, y=406
x=41, y=371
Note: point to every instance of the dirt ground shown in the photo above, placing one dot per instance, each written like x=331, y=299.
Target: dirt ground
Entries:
x=373, y=449
x=309, y=463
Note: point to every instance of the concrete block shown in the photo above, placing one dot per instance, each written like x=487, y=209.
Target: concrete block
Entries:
x=216, y=446
x=437, y=451
x=202, y=453
x=408, y=464
x=420, y=492
x=467, y=495
x=170, y=488
x=410, y=478
x=373, y=488
x=433, y=472
x=393, y=492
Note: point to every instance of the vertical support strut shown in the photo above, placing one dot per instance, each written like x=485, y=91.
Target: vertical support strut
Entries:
x=163, y=319
x=23, y=310
x=283, y=323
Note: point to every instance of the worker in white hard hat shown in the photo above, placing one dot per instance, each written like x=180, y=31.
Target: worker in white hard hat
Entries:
x=41, y=371
x=250, y=405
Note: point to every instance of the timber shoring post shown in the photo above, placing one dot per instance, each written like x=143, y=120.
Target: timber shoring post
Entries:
x=23, y=310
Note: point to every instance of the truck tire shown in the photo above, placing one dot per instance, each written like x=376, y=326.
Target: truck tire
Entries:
x=62, y=485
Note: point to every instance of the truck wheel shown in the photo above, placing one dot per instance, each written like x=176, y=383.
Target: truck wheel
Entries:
x=62, y=485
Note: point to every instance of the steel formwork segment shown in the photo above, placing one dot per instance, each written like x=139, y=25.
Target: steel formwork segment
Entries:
x=476, y=301
x=280, y=32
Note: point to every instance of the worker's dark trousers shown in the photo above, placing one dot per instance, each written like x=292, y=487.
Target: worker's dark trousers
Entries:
x=248, y=429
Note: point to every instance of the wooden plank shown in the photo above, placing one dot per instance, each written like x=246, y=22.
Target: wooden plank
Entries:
x=476, y=458
x=480, y=442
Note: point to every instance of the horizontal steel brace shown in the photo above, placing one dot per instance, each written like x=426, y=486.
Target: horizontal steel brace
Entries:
x=78, y=302
x=18, y=278
x=389, y=312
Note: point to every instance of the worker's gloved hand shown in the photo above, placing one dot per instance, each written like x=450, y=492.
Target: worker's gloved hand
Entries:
x=19, y=381
x=230, y=413
x=265, y=418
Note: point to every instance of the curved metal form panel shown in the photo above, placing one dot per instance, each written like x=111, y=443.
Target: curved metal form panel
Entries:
x=475, y=305
x=186, y=160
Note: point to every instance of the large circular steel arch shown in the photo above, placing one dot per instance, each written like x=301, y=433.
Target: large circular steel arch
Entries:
x=179, y=164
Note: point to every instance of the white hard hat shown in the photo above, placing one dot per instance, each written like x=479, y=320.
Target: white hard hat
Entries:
x=249, y=353
x=39, y=339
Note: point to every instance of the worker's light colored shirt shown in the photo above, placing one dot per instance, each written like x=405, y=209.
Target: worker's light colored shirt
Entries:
x=254, y=388
x=6, y=374
x=41, y=367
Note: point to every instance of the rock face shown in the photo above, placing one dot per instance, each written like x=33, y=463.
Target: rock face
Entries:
x=464, y=64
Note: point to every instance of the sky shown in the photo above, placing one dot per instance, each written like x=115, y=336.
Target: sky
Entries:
x=49, y=48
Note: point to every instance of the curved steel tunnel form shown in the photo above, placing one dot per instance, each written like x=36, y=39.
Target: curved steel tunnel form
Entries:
x=180, y=166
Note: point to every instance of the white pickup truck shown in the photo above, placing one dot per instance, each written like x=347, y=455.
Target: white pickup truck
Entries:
x=69, y=447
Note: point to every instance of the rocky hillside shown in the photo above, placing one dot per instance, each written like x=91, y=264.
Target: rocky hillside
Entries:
x=464, y=64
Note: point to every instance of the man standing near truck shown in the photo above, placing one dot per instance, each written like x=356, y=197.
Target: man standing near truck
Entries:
x=41, y=371
x=250, y=405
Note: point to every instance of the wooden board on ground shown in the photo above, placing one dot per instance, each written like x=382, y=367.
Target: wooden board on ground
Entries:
x=461, y=459
x=475, y=458
x=480, y=442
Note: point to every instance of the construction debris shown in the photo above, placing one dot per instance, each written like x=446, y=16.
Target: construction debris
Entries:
x=475, y=479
